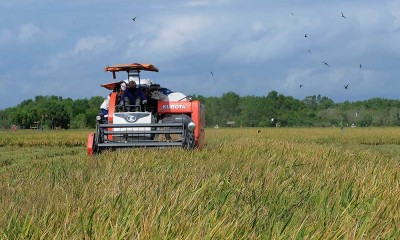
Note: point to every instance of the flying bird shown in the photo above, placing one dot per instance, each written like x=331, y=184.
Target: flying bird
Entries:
x=258, y=131
x=326, y=64
x=305, y=35
x=301, y=85
x=309, y=51
x=292, y=13
x=346, y=86
x=360, y=65
x=134, y=19
x=343, y=16
x=212, y=74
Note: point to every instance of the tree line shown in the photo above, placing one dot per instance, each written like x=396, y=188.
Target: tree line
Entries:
x=230, y=110
x=52, y=112
x=276, y=109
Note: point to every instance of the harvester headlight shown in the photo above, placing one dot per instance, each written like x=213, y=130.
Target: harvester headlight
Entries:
x=191, y=126
x=98, y=117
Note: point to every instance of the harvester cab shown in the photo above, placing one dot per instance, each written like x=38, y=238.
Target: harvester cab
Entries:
x=166, y=119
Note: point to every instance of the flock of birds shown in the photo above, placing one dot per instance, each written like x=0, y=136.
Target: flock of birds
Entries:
x=309, y=51
x=325, y=63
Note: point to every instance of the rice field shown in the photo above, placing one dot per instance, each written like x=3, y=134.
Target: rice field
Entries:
x=281, y=183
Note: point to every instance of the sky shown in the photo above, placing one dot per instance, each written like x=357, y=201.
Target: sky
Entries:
x=52, y=47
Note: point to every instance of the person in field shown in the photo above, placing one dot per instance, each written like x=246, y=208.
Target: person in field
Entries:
x=104, y=106
x=133, y=95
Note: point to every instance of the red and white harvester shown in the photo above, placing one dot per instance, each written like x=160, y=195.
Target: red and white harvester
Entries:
x=168, y=119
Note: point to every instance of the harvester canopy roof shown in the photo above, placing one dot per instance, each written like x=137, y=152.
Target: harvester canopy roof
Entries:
x=111, y=86
x=131, y=66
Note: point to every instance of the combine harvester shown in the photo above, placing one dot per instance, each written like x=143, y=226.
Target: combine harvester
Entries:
x=169, y=119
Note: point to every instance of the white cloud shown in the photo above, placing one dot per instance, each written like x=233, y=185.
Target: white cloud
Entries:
x=87, y=44
x=203, y=3
x=84, y=49
x=198, y=3
x=175, y=37
x=260, y=44
x=28, y=33
x=78, y=66
x=24, y=33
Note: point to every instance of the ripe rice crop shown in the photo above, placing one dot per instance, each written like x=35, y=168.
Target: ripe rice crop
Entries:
x=279, y=183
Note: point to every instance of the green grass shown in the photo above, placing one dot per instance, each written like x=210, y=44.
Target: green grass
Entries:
x=278, y=184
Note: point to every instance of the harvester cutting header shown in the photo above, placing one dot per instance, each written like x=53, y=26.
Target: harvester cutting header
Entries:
x=144, y=114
